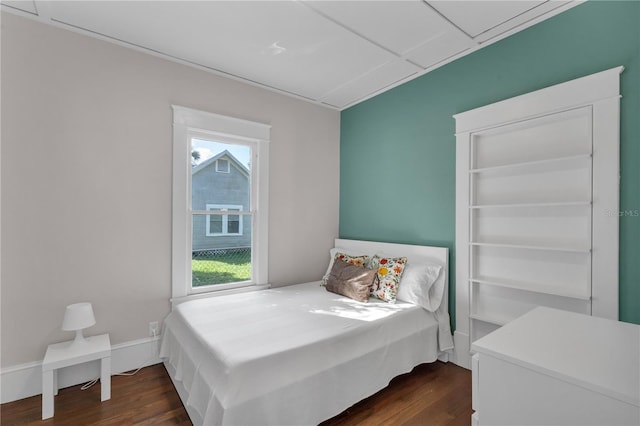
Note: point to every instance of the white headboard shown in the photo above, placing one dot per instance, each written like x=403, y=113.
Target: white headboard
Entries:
x=439, y=255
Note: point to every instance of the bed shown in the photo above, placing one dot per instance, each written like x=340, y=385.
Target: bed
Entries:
x=301, y=354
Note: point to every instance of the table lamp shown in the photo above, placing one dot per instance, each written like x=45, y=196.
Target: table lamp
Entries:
x=77, y=317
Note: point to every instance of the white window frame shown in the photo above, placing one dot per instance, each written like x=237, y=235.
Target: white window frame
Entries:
x=223, y=210
x=188, y=123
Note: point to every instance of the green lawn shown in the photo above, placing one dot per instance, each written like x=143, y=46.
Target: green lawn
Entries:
x=221, y=268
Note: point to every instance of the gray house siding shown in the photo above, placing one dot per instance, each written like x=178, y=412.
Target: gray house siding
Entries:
x=209, y=186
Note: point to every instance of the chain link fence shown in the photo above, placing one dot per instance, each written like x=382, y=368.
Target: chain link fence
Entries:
x=219, y=266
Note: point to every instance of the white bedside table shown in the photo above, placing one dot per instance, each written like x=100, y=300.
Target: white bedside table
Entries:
x=61, y=355
x=552, y=367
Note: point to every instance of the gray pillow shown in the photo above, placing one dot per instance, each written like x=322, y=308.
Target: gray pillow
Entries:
x=351, y=281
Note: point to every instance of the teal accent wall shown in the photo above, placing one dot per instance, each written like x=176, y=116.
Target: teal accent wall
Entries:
x=397, y=164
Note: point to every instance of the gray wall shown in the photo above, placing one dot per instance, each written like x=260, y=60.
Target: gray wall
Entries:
x=86, y=182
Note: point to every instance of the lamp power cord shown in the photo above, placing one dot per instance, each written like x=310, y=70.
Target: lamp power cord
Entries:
x=93, y=381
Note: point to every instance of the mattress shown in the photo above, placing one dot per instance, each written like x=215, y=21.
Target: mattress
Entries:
x=290, y=355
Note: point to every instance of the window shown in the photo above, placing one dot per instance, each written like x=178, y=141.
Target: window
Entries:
x=222, y=166
x=224, y=224
x=220, y=202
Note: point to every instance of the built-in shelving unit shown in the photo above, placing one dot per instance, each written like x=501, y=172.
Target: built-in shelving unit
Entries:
x=530, y=205
x=534, y=175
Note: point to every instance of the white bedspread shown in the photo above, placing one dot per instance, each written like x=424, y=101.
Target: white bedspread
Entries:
x=290, y=355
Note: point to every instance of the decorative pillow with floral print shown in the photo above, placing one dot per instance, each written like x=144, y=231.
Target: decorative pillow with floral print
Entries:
x=390, y=271
x=360, y=260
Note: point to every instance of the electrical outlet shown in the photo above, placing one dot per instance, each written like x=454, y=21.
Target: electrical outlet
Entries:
x=153, y=329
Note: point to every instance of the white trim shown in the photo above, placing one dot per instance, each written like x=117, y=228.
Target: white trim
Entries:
x=605, y=227
x=462, y=247
x=25, y=380
x=564, y=96
x=225, y=292
x=208, y=122
x=260, y=199
x=462, y=351
x=186, y=122
x=180, y=236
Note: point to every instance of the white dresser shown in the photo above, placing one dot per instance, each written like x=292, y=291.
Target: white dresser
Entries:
x=553, y=367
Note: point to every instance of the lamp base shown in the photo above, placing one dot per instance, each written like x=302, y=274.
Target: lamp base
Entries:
x=79, y=340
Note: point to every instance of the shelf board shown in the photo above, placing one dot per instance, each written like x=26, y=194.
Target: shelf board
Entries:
x=531, y=287
x=529, y=205
x=524, y=164
x=489, y=319
x=533, y=247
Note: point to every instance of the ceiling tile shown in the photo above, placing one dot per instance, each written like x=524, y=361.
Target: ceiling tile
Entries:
x=332, y=52
x=523, y=20
x=370, y=83
x=476, y=17
x=399, y=26
x=279, y=44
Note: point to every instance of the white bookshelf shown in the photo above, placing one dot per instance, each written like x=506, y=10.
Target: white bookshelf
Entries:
x=532, y=173
x=530, y=221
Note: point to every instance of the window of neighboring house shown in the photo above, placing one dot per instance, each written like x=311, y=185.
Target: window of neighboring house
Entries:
x=219, y=236
x=222, y=166
x=224, y=224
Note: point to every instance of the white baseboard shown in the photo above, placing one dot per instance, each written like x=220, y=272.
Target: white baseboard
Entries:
x=461, y=354
x=25, y=380
x=445, y=356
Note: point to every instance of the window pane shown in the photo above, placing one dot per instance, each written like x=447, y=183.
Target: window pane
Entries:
x=233, y=225
x=208, y=185
x=221, y=243
x=222, y=165
x=233, y=222
x=215, y=224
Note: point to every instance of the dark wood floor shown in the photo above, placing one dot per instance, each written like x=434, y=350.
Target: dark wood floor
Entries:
x=432, y=394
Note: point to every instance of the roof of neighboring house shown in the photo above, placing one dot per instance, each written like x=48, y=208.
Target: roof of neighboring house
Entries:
x=213, y=159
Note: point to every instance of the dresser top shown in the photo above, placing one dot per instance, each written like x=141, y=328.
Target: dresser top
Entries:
x=596, y=353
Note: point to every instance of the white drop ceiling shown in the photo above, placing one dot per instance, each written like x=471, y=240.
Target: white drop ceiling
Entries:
x=334, y=53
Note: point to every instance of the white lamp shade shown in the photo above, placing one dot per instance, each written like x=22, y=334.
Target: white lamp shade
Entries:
x=78, y=316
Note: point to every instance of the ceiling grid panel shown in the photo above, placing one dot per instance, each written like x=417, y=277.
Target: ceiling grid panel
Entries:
x=333, y=53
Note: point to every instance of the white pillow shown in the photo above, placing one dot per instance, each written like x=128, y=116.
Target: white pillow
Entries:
x=417, y=285
x=332, y=257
